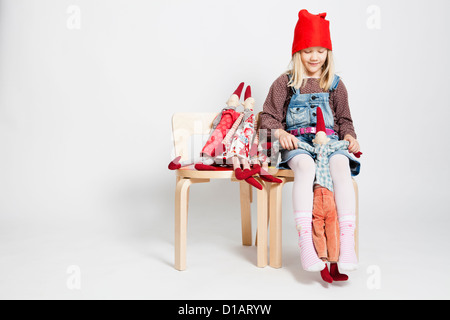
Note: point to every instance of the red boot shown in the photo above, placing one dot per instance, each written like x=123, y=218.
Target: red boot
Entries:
x=326, y=275
x=252, y=181
x=175, y=164
x=204, y=167
x=263, y=174
x=335, y=274
x=246, y=173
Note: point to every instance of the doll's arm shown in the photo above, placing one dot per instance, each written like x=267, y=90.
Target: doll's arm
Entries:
x=305, y=146
x=343, y=145
x=339, y=145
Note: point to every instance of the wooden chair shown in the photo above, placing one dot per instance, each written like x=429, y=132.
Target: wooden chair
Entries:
x=184, y=126
x=274, y=195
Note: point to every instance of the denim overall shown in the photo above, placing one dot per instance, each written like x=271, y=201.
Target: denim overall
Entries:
x=302, y=113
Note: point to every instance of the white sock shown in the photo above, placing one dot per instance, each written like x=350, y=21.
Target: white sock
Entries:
x=308, y=255
x=344, y=195
x=302, y=198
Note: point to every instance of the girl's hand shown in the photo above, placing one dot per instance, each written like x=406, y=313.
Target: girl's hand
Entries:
x=287, y=140
x=353, y=147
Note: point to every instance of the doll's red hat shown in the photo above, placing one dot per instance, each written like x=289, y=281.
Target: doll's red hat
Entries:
x=238, y=91
x=248, y=93
x=312, y=30
x=320, y=126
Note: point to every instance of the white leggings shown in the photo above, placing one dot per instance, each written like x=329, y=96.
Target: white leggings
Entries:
x=302, y=191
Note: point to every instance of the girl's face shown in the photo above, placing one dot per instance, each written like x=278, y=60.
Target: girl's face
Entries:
x=313, y=59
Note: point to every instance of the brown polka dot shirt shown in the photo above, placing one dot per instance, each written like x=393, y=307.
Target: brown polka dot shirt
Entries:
x=277, y=102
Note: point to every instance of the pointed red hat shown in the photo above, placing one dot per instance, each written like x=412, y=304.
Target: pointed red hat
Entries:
x=312, y=30
x=248, y=92
x=239, y=90
x=320, y=126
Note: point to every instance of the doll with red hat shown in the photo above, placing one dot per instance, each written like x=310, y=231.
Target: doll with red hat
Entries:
x=239, y=142
x=294, y=106
x=322, y=148
x=230, y=139
x=221, y=124
x=325, y=229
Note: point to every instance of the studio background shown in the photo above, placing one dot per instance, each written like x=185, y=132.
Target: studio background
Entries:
x=87, y=91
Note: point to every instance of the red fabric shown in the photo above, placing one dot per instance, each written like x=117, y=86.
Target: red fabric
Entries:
x=248, y=93
x=246, y=173
x=335, y=274
x=326, y=275
x=175, y=163
x=264, y=175
x=252, y=181
x=229, y=116
x=311, y=31
x=239, y=89
x=320, y=126
x=204, y=167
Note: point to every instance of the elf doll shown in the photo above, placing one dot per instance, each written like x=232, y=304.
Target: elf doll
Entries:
x=241, y=145
x=230, y=138
x=221, y=124
x=325, y=221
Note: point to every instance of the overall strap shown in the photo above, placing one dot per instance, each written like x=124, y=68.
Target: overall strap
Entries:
x=335, y=83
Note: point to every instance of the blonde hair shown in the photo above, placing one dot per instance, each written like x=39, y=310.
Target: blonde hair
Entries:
x=297, y=71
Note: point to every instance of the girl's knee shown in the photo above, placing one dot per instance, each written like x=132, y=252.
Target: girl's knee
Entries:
x=303, y=165
x=339, y=160
x=340, y=165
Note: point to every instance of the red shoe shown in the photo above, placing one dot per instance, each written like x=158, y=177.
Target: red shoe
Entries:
x=252, y=181
x=204, y=167
x=335, y=274
x=246, y=173
x=326, y=275
x=175, y=163
x=263, y=174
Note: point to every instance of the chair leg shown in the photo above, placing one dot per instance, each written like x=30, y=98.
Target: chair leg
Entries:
x=268, y=206
x=262, y=204
x=246, y=217
x=355, y=186
x=181, y=211
x=275, y=202
x=181, y=214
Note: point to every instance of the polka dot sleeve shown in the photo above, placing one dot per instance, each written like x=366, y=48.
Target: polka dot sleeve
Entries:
x=342, y=116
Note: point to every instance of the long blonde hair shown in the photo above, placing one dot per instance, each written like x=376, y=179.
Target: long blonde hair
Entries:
x=297, y=71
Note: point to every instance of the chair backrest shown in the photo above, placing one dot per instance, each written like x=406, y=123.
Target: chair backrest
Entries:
x=185, y=126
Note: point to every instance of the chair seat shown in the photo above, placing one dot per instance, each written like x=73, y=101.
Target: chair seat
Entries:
x=281, y=173
x=191, y=172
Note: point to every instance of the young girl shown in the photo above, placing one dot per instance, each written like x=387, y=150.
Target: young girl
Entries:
x=290, y=111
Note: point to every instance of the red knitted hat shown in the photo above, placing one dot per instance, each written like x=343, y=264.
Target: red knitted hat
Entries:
x=239, y=90
x=248, y=93
x=312, y=30
x=320, y=126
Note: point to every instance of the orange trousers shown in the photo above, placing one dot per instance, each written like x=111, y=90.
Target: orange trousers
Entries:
x=325, y=225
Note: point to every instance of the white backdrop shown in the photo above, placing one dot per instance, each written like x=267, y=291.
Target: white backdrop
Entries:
x=87, y=90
